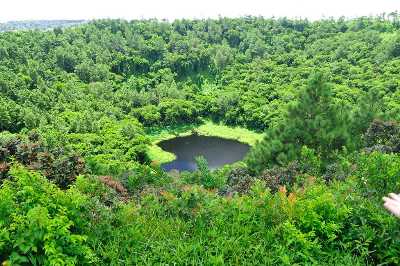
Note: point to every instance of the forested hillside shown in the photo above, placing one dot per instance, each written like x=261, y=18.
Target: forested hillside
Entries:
x=78, y=107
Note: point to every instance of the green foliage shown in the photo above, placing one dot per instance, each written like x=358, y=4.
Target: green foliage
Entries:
x=379, y=173
x=383, y=136
x=241, y=71
x=204, y=176
x=370, y=227
x=59, y=166
x=304, y=227
x=178, y=111
x=239, y=181
x=148, y=115
x=277, y=177
x=88, y=72
x=392, y=47
x=10, y=116
x=80, y=100
x=314, y=120
x=142, y=176
x=40, y=224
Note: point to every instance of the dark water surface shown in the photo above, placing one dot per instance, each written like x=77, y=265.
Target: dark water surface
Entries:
x=217, y=151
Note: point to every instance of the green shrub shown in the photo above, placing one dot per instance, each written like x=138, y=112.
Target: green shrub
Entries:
x=204, y=176
x=239, y=181
x=382, y=136
x=378, y=174
x=143, y=175
x=40, y=224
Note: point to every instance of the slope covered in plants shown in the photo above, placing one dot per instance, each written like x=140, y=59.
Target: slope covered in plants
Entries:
x=79, y=107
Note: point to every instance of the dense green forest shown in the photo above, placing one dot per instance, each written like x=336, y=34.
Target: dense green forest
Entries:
x=78, y=105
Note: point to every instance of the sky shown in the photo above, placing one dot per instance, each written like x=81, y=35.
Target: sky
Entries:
x=174, y=9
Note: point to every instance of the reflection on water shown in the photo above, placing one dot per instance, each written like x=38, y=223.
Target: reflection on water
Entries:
x=217, y=151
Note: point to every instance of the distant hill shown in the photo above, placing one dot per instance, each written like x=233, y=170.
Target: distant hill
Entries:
x=38, y=24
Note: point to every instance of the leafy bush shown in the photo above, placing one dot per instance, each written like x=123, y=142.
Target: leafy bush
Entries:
x=40, y=224
x=378, y=174
x=56, y=165
x=178, y=111
x=239, y=181
x=281, y=176
x=204, y=176
x=148, y=115
x=142, y=175
x=383, y=136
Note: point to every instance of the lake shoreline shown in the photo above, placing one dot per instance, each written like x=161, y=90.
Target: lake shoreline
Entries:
x=207, y=128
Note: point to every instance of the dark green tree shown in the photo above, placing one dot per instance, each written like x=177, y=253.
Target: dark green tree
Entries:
x=314, y=120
